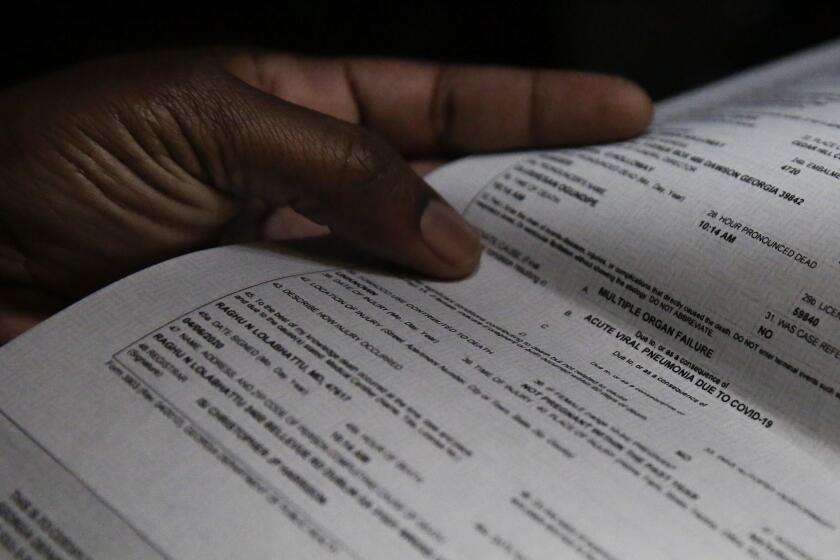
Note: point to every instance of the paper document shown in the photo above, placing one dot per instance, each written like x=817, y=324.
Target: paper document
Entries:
x=646, y=366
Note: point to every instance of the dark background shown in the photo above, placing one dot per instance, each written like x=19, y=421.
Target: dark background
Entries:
x=667, y=47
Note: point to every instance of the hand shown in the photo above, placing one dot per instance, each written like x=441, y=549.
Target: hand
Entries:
x=112, y=166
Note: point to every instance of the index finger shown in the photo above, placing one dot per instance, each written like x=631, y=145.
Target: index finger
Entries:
x=429, y=109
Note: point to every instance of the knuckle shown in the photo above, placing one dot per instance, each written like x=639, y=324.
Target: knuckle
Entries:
x=442, y=110
x=202, y=125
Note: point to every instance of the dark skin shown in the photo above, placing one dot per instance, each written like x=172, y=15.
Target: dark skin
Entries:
x=112, y=166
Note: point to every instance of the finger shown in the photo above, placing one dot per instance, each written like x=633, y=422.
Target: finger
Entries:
x=335, y=174
x=21, y=308
x=285, y=223
x=16, y=323
x=425, y=166
x=428, y=109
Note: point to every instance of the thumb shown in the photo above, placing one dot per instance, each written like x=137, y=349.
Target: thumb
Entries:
x=332, y=172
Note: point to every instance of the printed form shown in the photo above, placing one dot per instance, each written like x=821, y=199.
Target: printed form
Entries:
x=646, y=365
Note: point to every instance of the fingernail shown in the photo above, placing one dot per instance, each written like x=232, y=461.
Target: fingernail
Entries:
x=448, y=235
